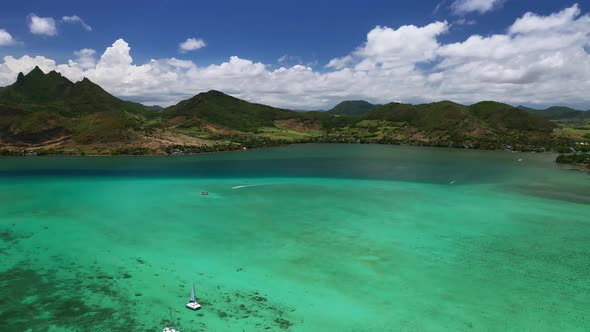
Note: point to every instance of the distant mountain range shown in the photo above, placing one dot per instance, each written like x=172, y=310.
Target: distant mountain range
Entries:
x=361, y=107
x=49, y=113
x=559, y=113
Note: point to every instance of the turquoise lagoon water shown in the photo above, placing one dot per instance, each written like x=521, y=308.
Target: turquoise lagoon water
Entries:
x=302, y=238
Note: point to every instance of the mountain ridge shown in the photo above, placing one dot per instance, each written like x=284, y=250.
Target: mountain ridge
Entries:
x=558, y=113
x=47, y=111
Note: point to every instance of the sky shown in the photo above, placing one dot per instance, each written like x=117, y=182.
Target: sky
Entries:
x=309, y=54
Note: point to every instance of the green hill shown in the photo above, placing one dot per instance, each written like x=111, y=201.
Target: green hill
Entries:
x=352, y=108
x=37, y=91
x=51, y=107
x=559, y=113
x=488, y=125
x=48, y=112
x=504, y=116
x=447, y=115
x=36, y=88
x=225, y=111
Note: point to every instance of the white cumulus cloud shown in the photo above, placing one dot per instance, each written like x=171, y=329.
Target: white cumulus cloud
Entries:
x=85, y=58
x=540, y=60
x=339, y=63
x=405, y=46
x=75, y=19
x=42, y=25
x=191, y=44
x=6, y=38
x=462, y=7
x=563, y=21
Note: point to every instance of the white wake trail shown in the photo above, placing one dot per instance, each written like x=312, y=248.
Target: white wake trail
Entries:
x=248, y=185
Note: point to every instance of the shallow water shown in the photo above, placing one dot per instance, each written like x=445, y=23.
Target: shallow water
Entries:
x=303, y=238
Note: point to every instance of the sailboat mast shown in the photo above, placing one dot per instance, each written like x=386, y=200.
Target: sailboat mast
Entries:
x=193, y=296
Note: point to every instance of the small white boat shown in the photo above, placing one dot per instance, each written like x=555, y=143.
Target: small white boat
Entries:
x=192, y=303
x=170, y=323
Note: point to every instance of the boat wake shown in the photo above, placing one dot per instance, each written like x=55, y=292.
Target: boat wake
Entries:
x=248, y=185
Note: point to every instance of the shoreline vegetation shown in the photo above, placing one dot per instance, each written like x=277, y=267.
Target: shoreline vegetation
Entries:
x=579, y=159
x=46, y=114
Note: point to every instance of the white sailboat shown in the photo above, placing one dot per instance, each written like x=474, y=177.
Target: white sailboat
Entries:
x=192, y=303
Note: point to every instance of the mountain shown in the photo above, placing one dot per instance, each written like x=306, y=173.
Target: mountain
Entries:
x=225, y=111
x=442, y=115
x=504, y=116
x=48, y=112
x=559, y=113
x=48, y=108
x=37, y=91
x=486, y=125
x=450, y=116
x=36, y=88
x=352, y=108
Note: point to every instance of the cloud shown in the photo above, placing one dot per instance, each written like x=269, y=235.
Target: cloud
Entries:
x=85, y=58
x=462, y=7
x=563, y=20
x=191, y=44
x=405, y=46
x=388, y=48
x=287, y=60
x=6, y=38
x=292, y=60
x=42, y=25
x=438, y=6
x=75, y=19
x=542, y=59
x=539, y=60
x=339, y=63
x=464, y=21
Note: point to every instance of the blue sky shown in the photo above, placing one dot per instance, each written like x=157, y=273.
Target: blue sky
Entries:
x=313, y=31
x=308, y=33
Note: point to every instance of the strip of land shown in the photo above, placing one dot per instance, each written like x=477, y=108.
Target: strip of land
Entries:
x=48, y=114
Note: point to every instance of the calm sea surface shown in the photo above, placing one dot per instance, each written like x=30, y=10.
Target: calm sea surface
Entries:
x=302, y=238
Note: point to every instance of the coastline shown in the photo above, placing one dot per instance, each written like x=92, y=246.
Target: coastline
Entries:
x=192, y=151
x=576, y=167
